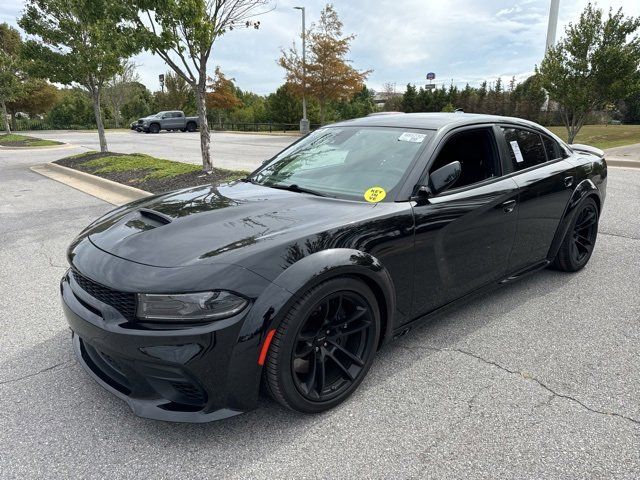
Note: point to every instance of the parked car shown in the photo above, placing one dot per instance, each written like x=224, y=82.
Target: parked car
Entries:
x=183, y=303
x=172, y=121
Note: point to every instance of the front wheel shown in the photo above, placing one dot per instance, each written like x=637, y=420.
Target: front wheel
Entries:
x=580, y=239
x=154, y=128
x=324, y=346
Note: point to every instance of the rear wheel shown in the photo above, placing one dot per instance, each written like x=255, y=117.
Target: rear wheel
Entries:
x=580, y=239
x=191, y=127
x=324, y=346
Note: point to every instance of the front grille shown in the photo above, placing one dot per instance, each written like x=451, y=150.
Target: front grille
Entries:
x=124, y=302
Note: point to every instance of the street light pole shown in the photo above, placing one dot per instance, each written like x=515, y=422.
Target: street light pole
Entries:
x=553, y=23
x=304, y=123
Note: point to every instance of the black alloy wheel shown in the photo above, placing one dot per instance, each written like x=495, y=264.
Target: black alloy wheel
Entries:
x=191, y=127
x=324, y=347
x=154, y=128
x=578, y=244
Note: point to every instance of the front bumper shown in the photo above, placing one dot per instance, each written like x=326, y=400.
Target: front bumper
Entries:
x=194, y=374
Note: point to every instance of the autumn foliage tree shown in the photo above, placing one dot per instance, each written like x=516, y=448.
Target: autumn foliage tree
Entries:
x=222, y=95
x=37, y=96
x=329, y=74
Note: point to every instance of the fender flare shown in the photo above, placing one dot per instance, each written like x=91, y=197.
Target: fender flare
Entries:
x=586, y=188
x=313, y=270
x=273, y=303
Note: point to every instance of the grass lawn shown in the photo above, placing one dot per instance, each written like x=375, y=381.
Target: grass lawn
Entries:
x=603, y=136
x=149, y=173
x=13, y=140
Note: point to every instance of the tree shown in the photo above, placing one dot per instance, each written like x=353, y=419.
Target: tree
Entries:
x=10, y=85
x=183, y=33
x=594, y=65
x=80, y=42
x=223, y=94
x=283, y=106
x=139, y=104
x=119, y=89
x=37, y=96
x=360, y=105
x=410, y=99
x=177, y=94
x=329, y=75
x=74, y=109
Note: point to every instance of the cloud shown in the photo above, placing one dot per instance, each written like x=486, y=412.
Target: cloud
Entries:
x=401, y=40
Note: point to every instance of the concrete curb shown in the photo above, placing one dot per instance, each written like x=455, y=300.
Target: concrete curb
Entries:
x=107, y=190
x=622, y=162
x=43, y=147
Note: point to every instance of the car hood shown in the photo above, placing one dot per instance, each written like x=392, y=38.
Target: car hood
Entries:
x=210, y=224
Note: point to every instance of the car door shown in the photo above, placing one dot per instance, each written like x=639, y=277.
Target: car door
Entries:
x=178, y=120
x=464, y=235
x=545, y=184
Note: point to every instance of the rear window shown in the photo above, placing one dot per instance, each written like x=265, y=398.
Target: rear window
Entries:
x=525, y=147
x=552, y=148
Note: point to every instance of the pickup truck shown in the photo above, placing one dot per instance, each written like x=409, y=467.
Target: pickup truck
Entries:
x=171, y=120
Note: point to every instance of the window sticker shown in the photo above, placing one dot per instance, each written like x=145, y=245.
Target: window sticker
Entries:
x=412, y=137
x=375, y=194
x=516, y=151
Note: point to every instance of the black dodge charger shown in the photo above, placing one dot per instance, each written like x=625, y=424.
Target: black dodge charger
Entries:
x=189, y=303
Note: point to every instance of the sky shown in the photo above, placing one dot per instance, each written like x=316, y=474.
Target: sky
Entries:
x=400, y=40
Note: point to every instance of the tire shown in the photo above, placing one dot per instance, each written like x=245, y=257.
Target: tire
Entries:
x=192, y=127
x=580, y=239
x=154, y=128
x=294, y=378
x=183, y=130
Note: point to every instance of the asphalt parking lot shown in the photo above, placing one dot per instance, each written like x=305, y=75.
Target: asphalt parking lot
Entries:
x=240, y=151
x=537, y=380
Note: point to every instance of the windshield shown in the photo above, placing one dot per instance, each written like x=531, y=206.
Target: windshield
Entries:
x=360, y=163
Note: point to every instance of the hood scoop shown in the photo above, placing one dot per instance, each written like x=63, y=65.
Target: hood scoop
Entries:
x=154, y=216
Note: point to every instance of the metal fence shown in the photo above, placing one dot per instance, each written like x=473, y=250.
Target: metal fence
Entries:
x=259, y=127
x=23, y=124
x=29, y=124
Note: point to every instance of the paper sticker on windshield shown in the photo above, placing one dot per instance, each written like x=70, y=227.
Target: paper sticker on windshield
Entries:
x=375, y=194
x=412, y=137
x=516, y=151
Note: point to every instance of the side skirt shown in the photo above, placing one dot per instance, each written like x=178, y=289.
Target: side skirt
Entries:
x=434, y=314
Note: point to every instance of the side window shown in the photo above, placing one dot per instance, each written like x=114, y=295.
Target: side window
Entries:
x=526, y=148
x=552, y=148
x=477, y=153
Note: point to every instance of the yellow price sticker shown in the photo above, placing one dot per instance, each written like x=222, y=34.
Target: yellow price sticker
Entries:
x=375, y=194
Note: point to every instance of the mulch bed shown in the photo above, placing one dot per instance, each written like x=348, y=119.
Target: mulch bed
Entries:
x=135, y=178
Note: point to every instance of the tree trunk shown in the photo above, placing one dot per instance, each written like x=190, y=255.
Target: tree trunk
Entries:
x=7, y=126
x=95, y=95
x=205, y=136
x=14, y=121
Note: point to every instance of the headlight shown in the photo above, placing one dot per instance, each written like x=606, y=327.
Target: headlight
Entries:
x=201, y=306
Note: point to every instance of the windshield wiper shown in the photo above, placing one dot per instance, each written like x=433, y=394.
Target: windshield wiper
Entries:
x=295, y=188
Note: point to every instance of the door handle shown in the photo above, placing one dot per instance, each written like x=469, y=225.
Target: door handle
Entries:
x=568, y=181
x=509, y=206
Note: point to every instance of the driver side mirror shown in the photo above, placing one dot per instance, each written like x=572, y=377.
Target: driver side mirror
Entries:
x=444, y=177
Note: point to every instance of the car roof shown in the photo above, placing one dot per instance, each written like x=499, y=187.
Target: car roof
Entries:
x=431, y=121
